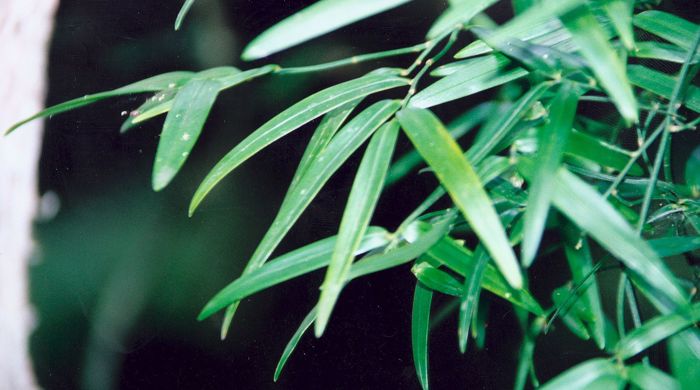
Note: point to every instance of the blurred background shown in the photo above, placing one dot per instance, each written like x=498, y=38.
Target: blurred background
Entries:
x=122, y=271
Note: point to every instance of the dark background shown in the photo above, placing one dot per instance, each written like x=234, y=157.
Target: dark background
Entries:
x=123, y=272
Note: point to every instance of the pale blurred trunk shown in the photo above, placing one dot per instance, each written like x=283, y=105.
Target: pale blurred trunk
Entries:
x=25, y=28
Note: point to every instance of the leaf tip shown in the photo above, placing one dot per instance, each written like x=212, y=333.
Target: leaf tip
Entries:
x=162, y=176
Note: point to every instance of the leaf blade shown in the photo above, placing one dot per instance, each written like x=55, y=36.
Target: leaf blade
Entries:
x=420, y=327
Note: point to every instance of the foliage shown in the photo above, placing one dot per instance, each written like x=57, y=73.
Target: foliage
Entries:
x=540, y=163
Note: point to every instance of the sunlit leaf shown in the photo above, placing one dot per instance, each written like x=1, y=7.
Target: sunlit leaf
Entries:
x=585, y=375
x=356, y=217
x=551, y=143
x=459, y=178
x=420, y=326
x=151, y=84
x=646, y=377
x=291, y=346
x=291, y=265
x=657, y=329
x=609, y=69
x=291, y=119
x=478, y=75
x=620, y=14
x=315, y=20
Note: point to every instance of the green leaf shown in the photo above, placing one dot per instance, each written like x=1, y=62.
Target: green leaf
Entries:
x=318, y=19
x=657, y=329
x=609, y=69
x=594, y=149
x=685, y=365
x=568, y=309
x=288, y=266
x=459, y=13
x=420, y=325
x=356, y=217
x=420, y=237
x=151, y=84
x=673, y=246
x=620, y=14
x=661, y=51
x=662, y=85
x=469, y=300
x=460, y=260
x=584, y=375
x=437, y=280
x=291, y=119
x=478, y=75
x=651, y=378
x=459, y=178
x=551, y=143
x=183, y=12
x=291, y=346
x=667, y=26
x=537, y=32
x=158, y=104
x=182, y=127
x=578, y=255
x=593, y=214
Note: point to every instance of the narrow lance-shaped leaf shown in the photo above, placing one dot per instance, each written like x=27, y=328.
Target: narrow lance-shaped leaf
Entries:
x=482, y=74
x=348, y=139
x=288, y=266
x=183, y=12
x=291, y=346
x=646, y=377
x=608, y=68
x=685, y=365
x=469, y=301
x=358, y=212
x=461, y=12
x=662, y=85
x=590, y=211
x=420, y=326
x=315, y=20
x=667, y=26
x=656, y=330
x=592, y=148
x=551, y=143
x=437, y=280
x=151, y=84
x=620, y=14
x=182, y=127
x=158, y=104
x=442, y=153
x=585, y=375
x=291, y=119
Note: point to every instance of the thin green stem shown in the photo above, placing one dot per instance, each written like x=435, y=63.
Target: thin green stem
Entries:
x=620, y=304
x=428, y=64
x=354, y=60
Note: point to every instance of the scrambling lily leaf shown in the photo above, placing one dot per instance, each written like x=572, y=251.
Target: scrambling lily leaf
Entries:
x=420, y=326
x=667, y=26
x=315, y=20
x=151, y=84
x=442, y=153
x=591, y=374
x=291, y=119
x=662, y=85
x=461, y=12
x=358, y=211
x=647, y=377
x=291, y=346
x=183, y=12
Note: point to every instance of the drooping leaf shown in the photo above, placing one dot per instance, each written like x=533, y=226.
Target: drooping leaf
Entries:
x=291, y=346
x=662, y=85
x=593, y=214
x=420, y=326
x=651, y=378
x=551, y=143
x=459, y=13
x=609, y=69
x=288, y=266
x=585, y=375
x=151, y=84
x=469, y=301
x=479, y=75
x=315, y=20
x=657, y=329
x=667, y=26
x=437, y=280
x=291, y=119
x=620, y=14
x=356, y=217
x=459, y=178
x=183, y=12
x=182, y=127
